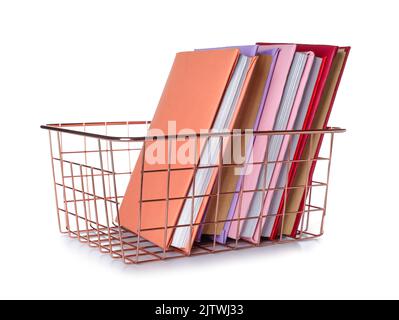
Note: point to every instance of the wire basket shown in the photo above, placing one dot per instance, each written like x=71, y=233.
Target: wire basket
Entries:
x=92, y=164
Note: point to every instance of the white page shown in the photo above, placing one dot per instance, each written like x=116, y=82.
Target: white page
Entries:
x=210, y=154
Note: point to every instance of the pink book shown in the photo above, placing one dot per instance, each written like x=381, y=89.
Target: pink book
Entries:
x=285, y=147
x=272, y=104
x=285, y=119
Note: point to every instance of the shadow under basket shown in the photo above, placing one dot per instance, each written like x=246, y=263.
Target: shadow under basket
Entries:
x=92, y=164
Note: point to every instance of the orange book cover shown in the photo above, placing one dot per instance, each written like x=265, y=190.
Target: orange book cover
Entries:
x=191, y=99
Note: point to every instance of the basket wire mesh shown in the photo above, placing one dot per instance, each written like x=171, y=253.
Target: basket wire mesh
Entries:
x=92, y=164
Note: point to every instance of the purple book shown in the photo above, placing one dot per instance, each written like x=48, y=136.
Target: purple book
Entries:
x=251, y=50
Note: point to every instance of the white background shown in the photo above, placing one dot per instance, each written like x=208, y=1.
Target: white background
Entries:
x=81, y=61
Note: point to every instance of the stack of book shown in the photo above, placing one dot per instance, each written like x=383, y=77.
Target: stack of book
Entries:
x=181, y=191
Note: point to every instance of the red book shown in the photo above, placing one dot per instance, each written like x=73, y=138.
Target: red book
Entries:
x=317, y=118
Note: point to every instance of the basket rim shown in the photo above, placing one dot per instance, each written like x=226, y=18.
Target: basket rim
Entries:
x=62, y=127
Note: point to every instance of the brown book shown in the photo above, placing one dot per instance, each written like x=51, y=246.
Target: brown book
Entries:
x=295, y=199
x=218, y=208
